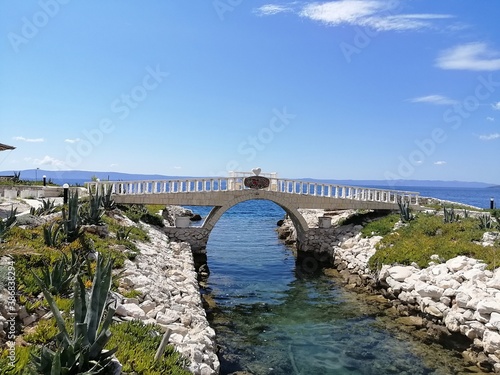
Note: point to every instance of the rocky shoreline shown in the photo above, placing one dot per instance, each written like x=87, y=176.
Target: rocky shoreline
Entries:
x=164, y=274
x=164, y=277
x=452, y=302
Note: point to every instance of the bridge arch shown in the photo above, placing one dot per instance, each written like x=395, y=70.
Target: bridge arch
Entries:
x=298, y=220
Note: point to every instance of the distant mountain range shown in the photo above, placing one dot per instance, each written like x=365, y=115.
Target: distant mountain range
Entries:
x=78, y=176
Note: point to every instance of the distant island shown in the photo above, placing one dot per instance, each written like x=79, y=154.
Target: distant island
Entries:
x=80, y=176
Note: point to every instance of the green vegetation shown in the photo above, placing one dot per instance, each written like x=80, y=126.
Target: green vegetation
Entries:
x=8, y=223
x=53, y=259
x=137, y=344
x=405, y=211
x=82, y=350
x=380, y=227
x=47, y=208
x=147, y=214
x=449, y=215
x=428, y=235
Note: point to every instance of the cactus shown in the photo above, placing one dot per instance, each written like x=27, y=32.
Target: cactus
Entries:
x=405, y=211
x=82, y=351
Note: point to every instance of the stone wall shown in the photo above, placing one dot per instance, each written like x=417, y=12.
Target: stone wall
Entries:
x=197, y=237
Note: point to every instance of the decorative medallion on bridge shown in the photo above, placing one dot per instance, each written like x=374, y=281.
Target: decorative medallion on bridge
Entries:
x=256, y=182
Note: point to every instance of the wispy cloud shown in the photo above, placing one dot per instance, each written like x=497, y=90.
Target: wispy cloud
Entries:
x=48, y=160
x=69, y=140
x=434, y=99
x=489, y=118
x=489, y=137
x=496, y=106
x=271, y=9
x=35, y=140
x=376, y=14
x=440, y=162
x=472, y=56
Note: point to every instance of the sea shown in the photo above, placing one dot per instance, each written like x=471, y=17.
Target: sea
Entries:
x=271, y=319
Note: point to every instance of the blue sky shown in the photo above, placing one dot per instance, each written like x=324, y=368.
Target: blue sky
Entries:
x=348, y=89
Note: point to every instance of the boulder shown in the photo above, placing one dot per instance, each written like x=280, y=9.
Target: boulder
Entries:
x=131, y=310
x=457, y=263
x=491, y=341
x=400, y=273
x=487, y=306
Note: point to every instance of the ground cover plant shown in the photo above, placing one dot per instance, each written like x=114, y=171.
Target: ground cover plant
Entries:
x=430, y=234
x=55, y=259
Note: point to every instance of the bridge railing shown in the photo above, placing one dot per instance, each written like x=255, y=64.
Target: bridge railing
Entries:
x=209, y=184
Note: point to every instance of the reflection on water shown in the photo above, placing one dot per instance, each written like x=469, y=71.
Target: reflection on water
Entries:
x=268, y=321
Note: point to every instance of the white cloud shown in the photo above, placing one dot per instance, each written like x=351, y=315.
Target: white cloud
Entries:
x=35, y=140
x=440, y=162
x=434, y=99
x=473, y=56
x=48, y=160
x=496, y=106
x=489, y=137
x=271, y=9
x=375, y=14
x=68, y=140
x=176, y=167
x=489, y=118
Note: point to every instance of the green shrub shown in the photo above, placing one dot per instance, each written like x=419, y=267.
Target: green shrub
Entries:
x=429, y=235
x=380, y=227
x=137, y=344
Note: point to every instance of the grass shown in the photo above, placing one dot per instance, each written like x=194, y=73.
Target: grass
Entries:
x=380, y=227
x=428, y=235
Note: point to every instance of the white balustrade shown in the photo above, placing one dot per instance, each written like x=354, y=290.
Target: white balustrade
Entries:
x=207, y=184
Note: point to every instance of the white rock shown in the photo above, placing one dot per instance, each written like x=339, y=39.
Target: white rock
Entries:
x=495, y=320
x=462, y=299
x=147, y=306
x=488, y=306
x=168, y=317
x=473, y=274
x=400, y=273
x=130, y=310
x=457, y=263
x=491, y=341
x=426, y=290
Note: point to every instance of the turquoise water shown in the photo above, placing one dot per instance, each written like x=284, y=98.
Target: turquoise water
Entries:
x=271, y=320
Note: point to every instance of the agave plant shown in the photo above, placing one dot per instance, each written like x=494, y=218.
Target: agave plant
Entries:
x=8, y=223
x=485, y=222
x=449, y=215
x=51, y=234
x=405, y=211
x=57, y=280
x=93, y=210
x=81, y=351
x=107, y=202
x=71, y=222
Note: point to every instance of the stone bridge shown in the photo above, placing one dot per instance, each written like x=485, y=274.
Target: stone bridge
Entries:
x=222, y=193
